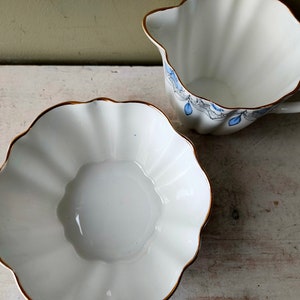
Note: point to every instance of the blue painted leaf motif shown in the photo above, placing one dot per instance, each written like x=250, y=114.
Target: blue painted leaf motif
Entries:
x=188, y=109
x=173, y=78
x=264, y=110
x=235, y=120
x=217, y=108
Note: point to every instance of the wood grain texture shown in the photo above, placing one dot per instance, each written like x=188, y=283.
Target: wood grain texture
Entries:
x=250, y=248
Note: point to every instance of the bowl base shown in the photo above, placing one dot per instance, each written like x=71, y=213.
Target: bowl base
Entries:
x=109, y=210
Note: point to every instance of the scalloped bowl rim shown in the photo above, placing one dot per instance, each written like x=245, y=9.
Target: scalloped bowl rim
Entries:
x=104, y=99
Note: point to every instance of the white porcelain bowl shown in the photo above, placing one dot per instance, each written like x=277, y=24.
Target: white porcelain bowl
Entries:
x=101, y=200
x=227, y=62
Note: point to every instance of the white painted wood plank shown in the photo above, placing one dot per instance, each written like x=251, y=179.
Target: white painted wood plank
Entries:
x=251, y=244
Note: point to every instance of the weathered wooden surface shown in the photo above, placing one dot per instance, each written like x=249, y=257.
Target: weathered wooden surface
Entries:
x=251, y=244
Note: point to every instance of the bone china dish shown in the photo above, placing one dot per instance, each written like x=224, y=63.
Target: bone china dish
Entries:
x=101, y=200
x=227, y=62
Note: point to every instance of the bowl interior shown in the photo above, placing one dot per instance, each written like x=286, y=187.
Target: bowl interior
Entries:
x=101, y=199
x=230, y=51
x=110, y=210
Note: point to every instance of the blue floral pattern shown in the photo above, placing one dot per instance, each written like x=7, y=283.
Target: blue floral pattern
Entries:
x=212, y=110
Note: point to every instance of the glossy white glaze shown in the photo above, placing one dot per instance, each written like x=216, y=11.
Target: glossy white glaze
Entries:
x=226, y=62
x=110, y=210
x=114, y=152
